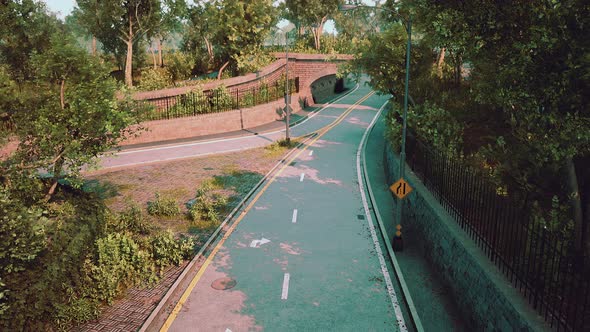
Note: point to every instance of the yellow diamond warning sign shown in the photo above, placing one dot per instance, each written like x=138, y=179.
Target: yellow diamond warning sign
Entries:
x=400, y=188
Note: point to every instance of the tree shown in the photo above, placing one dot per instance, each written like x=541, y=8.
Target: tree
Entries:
x=173, y=11
x=245, y=26
x=25, y=29
x=127, y=20
x=529, y=68
x=312, y=13
x=72, y=114
x=201, y=30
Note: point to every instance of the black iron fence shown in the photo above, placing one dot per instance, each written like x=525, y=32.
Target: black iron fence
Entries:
x=215, y=100
x=541, y=263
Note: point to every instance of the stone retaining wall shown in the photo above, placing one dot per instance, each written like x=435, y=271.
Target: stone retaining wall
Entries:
x=485, y=297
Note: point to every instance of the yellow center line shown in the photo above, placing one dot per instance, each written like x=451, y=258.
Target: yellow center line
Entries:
x=202, y=269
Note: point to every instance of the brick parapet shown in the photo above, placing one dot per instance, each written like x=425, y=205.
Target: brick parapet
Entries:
x=212, y=123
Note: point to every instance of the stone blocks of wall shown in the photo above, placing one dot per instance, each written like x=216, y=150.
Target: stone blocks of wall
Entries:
x=486, y=298
x=213, y=123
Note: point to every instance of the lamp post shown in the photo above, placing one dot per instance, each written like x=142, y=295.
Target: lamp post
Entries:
x=287, y=90
x=402, y=155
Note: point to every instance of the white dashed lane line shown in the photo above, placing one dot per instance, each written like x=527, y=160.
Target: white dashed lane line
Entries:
x=285, y=292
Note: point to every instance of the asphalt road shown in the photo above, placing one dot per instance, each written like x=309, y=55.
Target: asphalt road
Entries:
x=303, y=255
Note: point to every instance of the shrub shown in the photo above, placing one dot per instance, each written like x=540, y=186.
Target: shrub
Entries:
x=204, y=210
x=163, y=206
x=154, y=79
x=221, y=100
x=167, y=250
x=130, y=220
x=120, y=263
x=179, y=65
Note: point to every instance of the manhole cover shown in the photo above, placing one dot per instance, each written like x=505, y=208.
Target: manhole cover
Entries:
x=223, y=283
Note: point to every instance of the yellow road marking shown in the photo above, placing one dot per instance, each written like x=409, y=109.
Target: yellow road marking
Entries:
x=203, y=268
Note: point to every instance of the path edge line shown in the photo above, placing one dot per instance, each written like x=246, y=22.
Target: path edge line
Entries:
x=415, y=318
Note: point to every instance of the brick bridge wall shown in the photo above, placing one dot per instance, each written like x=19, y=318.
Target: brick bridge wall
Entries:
x=308, y=67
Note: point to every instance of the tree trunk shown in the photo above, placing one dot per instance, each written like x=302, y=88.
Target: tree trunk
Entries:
x=57, y=170
x=440, y=62
x=154, y=60
x=62, y=94
x=159, y=43
x=317, y=33
x=221, y=70
x=209, y=50
x=93, y=46
x=129, y=60
x=573, y=193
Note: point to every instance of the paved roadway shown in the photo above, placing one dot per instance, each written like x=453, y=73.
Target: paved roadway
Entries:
x=303, y=254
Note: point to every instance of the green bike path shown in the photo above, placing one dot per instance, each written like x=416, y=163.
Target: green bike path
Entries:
x=303, y=258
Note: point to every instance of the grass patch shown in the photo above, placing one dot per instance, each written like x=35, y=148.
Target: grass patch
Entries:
x=280, y=147
x=240, y=182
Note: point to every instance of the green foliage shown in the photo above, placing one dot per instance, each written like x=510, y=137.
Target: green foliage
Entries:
x=251, y=61
x=179, y=65
x=204, y=209
x=249, y=24
x=72, y=112
x=221, y=99
x=120, y=263
x=3, y=298
x=155, y=79
x=556, y=219
x=130, y=220
x=22, y=234
x=117, y=25
x=166, y=250
x=26, y=30
x=432, y=125
x=163, y=206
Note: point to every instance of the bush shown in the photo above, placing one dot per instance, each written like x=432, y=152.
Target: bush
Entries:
x=193, y=103
x=180, y=66
x=130, y=220
x=121, y=263
x=167, y=250
x=221, y=100
x=163, y=206
x=205, y=208
x=154, y=79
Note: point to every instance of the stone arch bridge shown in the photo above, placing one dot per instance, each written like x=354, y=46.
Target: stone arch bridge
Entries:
x=315, y=73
